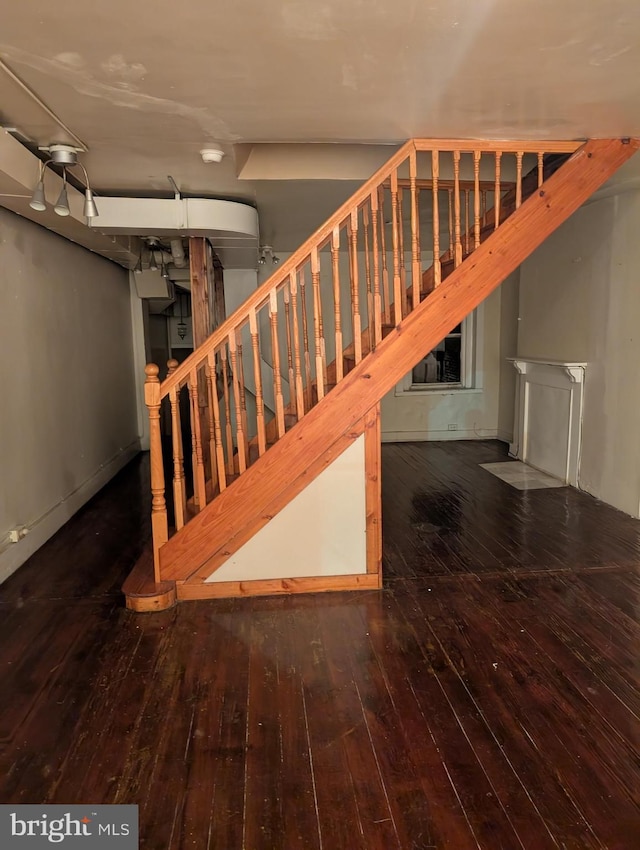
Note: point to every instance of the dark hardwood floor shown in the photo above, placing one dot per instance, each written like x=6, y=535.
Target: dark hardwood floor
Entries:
x=486, y=698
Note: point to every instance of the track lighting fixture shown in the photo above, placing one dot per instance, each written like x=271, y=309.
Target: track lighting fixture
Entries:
x=67, y=157
x=266, y=252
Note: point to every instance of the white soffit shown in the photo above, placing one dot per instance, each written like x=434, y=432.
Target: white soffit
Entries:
x=231, y=227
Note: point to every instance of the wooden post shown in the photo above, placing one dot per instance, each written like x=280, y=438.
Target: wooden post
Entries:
x=476, y=198
x=377, y=305
x=197, y=458
x=367, y=273
x=497, y=191
x=466, y=221
x=456, y=208
x=217, y=429
x=275, y=348
x=179, y=487
x=299, y=386
x=257, y=370
x=395, y=237
x=240, y=433
x=286, y=296
x=337, y=315
x=305, y=339
x=435, y=175
x=383, y=248
x=228, y=433
x=416, y=278
x=518, y=178
x=373, y=498
x=355, y=285
x=540, y=168
x=317, y=322
x=452, y=249
x=403, y=272
x=159, y=524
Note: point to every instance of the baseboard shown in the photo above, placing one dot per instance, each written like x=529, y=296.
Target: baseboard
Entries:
x=504, y=436
x=439, y=436
x=15, y=555
x=281, y=586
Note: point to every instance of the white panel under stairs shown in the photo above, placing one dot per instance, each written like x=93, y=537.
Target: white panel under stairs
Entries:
x=322, y=532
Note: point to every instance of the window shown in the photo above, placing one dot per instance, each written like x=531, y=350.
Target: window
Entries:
x=443, y=364
x=452, y=365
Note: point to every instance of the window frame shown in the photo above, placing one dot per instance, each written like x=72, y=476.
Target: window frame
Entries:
x=470, y=367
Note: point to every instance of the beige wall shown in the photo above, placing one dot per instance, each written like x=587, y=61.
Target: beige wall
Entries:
x=477, y=412
x=69, y=418
x=579, y=300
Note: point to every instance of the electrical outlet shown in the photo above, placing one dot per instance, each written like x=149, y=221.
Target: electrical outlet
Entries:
x=16, y=534
x=452, y=426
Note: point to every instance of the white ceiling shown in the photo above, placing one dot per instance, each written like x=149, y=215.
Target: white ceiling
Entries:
x=145, y=85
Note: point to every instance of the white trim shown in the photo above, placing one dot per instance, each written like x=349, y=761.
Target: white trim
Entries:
x=470, y=363
x=15, y=555
x=439, y=436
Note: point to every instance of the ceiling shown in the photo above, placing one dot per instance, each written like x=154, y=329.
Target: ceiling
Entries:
x=144, y=86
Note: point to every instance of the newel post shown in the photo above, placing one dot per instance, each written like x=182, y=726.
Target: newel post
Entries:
x=159, y=524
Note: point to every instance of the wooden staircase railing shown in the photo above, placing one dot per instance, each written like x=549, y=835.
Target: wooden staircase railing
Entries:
x=433, y=202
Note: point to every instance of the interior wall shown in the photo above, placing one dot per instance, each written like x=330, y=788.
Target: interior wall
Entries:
x=69, y=418
x=579, y=302
x=509, y=309
x=448, y=413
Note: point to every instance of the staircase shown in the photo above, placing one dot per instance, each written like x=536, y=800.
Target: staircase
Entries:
x=400, y=264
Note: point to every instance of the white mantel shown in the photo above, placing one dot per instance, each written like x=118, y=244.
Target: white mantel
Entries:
x=548, y=415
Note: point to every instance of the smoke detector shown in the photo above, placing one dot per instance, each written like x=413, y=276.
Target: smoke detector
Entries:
x=211, y=154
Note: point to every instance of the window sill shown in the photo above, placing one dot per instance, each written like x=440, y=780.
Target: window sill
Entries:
x=433, y=390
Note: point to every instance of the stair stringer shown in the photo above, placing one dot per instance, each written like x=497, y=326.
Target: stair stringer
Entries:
x=244, y=505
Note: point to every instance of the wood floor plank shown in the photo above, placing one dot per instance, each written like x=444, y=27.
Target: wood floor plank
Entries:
x=372, y=720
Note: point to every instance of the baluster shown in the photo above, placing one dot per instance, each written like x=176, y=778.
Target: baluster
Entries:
x=305, y=340
x=257, y=374
x=197, y=459
x=227, y=409
x=287, y=321
x=518, y=179
x=243, y=392
x=337, y=317
x=484, y=206
x=456, y=208
x=540, y=168
x=415, y=231
x=497, y=191
x=367, y=274
x=277, y=378
x=435, y=176
x=159, y=523
x=299, y=391
x=317, y=319
x=377, y=306
x=452, y=249
x=476, y=198
x=217, y=430
x=403, y=273
x=467, y=228
x=385, y=270
x=235, y=371
x=179, y=483
x=397, y=280
x=355, y=286
x=211, y=421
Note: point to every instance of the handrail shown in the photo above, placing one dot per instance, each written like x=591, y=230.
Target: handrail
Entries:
x=260, y=297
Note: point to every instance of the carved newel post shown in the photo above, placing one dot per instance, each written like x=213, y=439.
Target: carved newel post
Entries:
x=159, y=525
